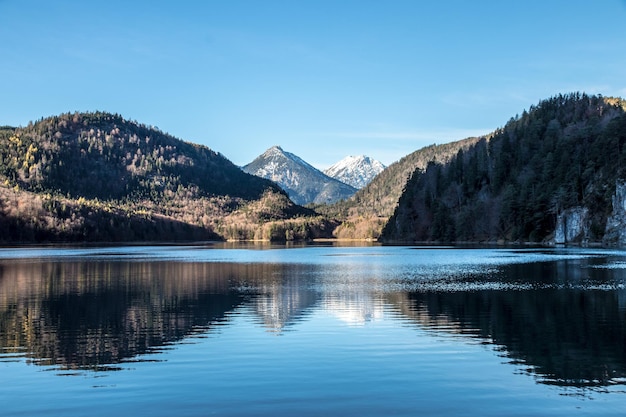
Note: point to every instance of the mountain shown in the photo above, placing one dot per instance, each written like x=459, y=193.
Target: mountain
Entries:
x=554, y=174
x=357, y=171
x=97, y=176
x=105, y=156
x=303, y=183
x=364, y=215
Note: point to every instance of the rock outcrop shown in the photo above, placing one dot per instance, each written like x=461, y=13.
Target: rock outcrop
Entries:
x=615, y=232
x=572, y=226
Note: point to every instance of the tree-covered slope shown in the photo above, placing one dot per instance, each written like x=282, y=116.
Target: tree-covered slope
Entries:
x=567, y=152
x=102, y=155
x=364, y=214
x=99, y=177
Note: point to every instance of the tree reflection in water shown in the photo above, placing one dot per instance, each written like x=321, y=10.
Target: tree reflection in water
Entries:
x=562, y=325
x=88, y=315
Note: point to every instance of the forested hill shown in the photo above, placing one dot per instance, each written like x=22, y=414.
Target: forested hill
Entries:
x=102, y=155
x=364, y=214
x=99, y=177
x=562, y=156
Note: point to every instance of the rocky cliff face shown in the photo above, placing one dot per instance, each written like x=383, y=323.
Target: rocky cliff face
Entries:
x=572, y=226
x=615, y=232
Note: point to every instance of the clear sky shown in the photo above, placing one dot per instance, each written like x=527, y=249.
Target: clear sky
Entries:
x=323, y=79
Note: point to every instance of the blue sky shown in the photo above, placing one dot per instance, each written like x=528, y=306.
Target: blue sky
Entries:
x=323, y=79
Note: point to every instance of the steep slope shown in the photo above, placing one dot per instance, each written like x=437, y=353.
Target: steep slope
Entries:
x=363, y=215
x=548, y=175
x=356, y=171
x=303, y=183
x=97, y=176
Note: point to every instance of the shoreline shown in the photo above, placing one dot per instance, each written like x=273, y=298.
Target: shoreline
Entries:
x=353, y=241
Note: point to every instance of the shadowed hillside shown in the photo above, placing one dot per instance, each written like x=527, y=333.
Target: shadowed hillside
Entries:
x=364, y=214
x=549, y=174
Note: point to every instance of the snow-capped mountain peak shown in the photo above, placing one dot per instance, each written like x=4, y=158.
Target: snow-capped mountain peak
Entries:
x=304, y=183
x=356, y=171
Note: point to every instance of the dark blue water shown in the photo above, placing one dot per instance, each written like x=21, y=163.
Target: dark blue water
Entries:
x=312, y=330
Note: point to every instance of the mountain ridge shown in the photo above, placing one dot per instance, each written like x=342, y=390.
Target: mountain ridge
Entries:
x=356, y=171
x=364, y=215
x=554, y=174
x=303, y=182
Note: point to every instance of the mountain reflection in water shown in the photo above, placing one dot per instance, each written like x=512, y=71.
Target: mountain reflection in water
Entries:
x=563, y=321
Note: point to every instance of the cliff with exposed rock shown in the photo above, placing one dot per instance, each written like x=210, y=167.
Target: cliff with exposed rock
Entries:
x=615, y=231
x=572, y=226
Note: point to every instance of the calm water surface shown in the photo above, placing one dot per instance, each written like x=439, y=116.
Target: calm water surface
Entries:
x=312, y=330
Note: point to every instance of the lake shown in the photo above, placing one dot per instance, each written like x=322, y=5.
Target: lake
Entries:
x=311, y=330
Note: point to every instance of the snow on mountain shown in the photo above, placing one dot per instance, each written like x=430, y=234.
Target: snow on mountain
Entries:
x=356, y=171
x=303, y=183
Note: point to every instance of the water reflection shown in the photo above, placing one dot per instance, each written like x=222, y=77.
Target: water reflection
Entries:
x=91, y=315
x=283, y=295
x=564, y=322
x=567, y=329
x=355, y=309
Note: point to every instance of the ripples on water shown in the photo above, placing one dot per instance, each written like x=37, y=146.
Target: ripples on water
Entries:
x=339, y=330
